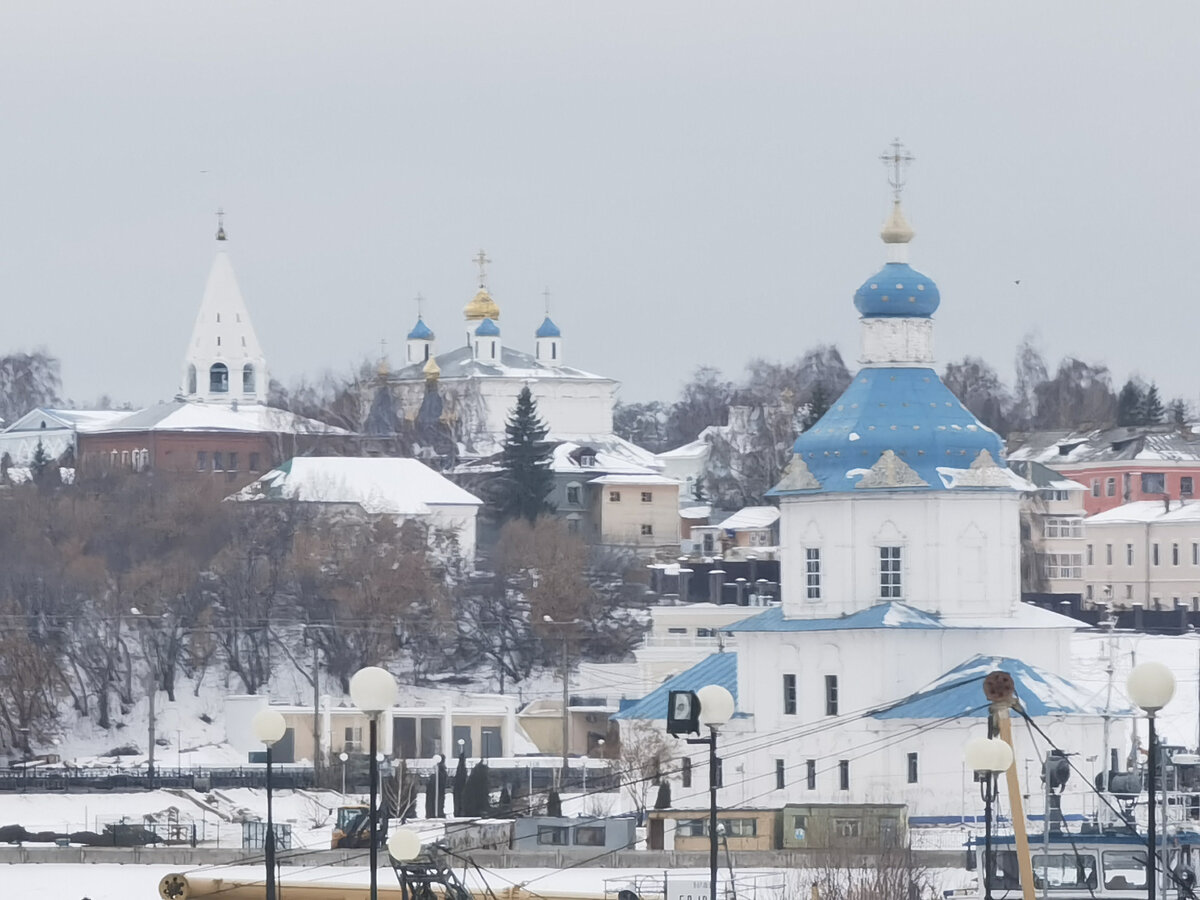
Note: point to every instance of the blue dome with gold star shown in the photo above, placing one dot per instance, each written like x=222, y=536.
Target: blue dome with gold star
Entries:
x=898, y=290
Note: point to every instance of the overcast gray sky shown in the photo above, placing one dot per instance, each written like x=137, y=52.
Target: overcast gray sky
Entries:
x=696, y=182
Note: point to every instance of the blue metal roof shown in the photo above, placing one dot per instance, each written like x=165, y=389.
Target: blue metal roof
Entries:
x=487, y=328
x=548, y=329
x=421, y=331
x=882, y=615
x=898, y=290
x=906, y=410
x=960, y=693
x=720, y=668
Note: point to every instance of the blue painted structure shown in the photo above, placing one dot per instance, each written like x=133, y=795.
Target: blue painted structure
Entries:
x=720, y=668
x=881, y=615
x=906, y=410
x=487, y=328
x=897, y=290
x=547, y=329
x=420, y=331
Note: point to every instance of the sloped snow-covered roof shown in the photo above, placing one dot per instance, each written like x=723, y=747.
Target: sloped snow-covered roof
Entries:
x=651, y=479
x=691, y=450
x=180, y=415
x=719, y=668
x=81, y=420
x=959, y=692
x=1149, y=443
x=1146, y=512
x=611, y=455
x=902, y=615
x=461, y=363
x=751, y=517
x=380, y=485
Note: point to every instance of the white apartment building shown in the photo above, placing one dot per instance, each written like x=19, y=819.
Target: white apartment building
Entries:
x=1146, y=552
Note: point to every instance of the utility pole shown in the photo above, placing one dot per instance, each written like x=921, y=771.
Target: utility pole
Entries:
x=316, y=680
x=152, y=690
x=566, y=687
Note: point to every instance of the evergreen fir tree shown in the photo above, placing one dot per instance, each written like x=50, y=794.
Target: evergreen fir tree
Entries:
x=1131, y=404
x=505, y=804
x=442, y=781
x=460, y=784
x=41, y=459
x=554, y=804
x=818, y=404
x=430, y=798
x=663, y=800
x=1152, y=408
x=1178, y=412
x=526, y=481
x=477, y=796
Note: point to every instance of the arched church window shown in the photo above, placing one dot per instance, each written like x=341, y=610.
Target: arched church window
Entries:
x=218, y=379
x=554, y=351
x=248, y=378
x=191, y=380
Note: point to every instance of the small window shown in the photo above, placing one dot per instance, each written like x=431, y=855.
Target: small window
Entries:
x=572, y=524
x=1095, y=487
x=812, y=573
x=844, y=774
x=1108, y=554
x=647, y=530
x=779, y=775
x=647, y=496
x=126, y=460
x=201, y=460
x=254, y=467
x=1174, y=554
x=1185, y=485
x=1154, y=554
x=740, y=827
x=587, y=459
x=685, y=773
x=1195, y=554
x=692, y=827
x=573, y=494
x=847, y=828
x=589, y=835
x=218, y=379
x=789, y=694
x=1129, y=592
x=218, y=461
x=247, y=378
x=810, y=774
x=218, y=340
x=614, y=496
x=493, y=349
x=912, y=768
x=799, y=827
x=1090, y=559
x=1088, y=592
x=1110, y=487
x=554, y=835
x=1154, y=483
x=831, y=695
x=231, y=463
x=1129, y=554
x=889, y=573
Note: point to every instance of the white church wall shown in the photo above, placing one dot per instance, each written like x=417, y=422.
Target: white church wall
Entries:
x=960, y=552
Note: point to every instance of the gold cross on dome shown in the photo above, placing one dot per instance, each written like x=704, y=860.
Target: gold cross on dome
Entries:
x=481, y=260
x=898, y=160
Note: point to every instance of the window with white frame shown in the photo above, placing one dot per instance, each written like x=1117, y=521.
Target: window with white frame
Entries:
x=1063, y=565
x=812, y=572
x=890, y=584
x=1067, y=527
x=575, y=493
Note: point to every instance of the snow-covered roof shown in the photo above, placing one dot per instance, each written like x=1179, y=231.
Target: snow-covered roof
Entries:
x=702, y=511
x=959, y=692
x=1065, y=449
x=461, y=363
x=1043, y=477
x=751, y=517
x=691, y=450
x=178, y=415
x=902, y=615
x=719, y=668
x=651, y=479
x=1146, y=512
x=612, y=456
x=380, y=485
x=81, y=420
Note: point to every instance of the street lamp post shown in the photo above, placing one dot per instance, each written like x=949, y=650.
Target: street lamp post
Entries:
x=373, y=690
x=716, y=708
x=403, y=847
x=566, y=687
x=269, y=726
x=1151, y=685
x=988, y=757
x=344, y=756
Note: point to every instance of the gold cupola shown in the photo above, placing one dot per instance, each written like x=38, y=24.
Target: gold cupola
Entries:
x=481, y=307
x=431, y=369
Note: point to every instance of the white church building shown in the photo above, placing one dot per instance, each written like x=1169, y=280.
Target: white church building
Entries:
x=479, y=375
x=900, y=559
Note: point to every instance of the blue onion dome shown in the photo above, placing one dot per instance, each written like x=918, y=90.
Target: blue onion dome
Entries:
x=487, y=328
x=898, y=290
x=548, y=329
x=421, y=331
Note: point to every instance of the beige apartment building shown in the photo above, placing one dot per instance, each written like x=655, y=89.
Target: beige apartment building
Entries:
x=1146, y=552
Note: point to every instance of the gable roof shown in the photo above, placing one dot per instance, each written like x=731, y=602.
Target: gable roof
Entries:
x=959, y=692
x=902, y=615
x=380, y=485
x=179, y=415
x=720, y=668
x=461, y=363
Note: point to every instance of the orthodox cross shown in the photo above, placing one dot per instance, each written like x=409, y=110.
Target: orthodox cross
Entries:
x=220, y=224
x=546, y=296
x=481, y=260
x=420, y=305
x=898, y=160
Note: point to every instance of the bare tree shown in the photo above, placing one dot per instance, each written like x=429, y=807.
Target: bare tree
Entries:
x=28, y=380
x=644, y=758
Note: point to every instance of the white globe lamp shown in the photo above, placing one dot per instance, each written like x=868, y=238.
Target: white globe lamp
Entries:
x=1151, y=685
x=373, y=689
x=716, y=705
x=404, y=845
x=268, y=726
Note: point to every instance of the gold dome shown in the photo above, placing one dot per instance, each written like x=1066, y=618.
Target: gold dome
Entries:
x=431, y=369
x=482, y=306
x=896, y=229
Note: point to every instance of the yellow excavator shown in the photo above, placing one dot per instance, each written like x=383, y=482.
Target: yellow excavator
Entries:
x=353, y=828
